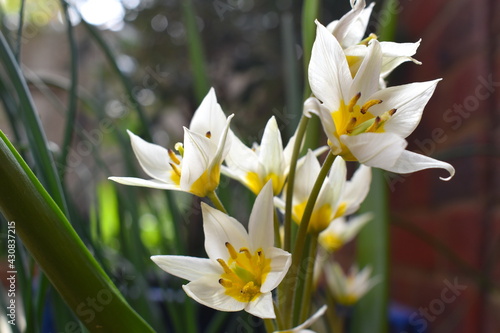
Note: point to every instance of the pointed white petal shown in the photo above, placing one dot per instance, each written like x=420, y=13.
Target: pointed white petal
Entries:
x=262, y=306
x=261, y=223
x=358, y=27
x=347, y=23
x=311, y=320
x=357, y=189
x=410, y=162
x=198, y=154
x=329, y=74
x=188, y=268
x=380, y=150
x=271, y=148
x=220, y=228
x=153, y=159
x=223, y=145
x=280, y=263
x=209, y=292
x=330, y=130
x=209, y=117
x=151, y=183
x=305, y=177
x=367, y=77
x=336, y=180
x=409, y=100
x=241, y=160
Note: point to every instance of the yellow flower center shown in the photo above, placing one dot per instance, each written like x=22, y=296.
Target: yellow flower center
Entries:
x=320, y=217
x=353, y=119
x=255, y=183
x=244, y=273
x=330, y=241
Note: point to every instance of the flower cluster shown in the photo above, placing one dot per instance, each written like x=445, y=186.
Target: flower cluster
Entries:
x=364, y=121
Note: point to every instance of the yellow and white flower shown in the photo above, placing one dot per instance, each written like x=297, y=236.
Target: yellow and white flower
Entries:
x=242, y=268
x=196, y=166
x=348, y=289
x=255, y=166
x=362, y=122
x=350, y=30
x=340, y=231
x=337, y=196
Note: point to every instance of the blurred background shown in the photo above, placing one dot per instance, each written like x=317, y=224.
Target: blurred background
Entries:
x=138, y=66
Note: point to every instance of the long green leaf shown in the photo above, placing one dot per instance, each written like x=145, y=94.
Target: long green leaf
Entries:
x=53, y=243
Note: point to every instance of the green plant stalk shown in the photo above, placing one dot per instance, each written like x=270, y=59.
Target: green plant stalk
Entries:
x=216, y=201
x=297, y=253
x=72, y=97
x=196, y=51
x=370, y=313
x=53, y=243
x=309, y=279
x=36, y=136
x=20, y=30
x=310, y=12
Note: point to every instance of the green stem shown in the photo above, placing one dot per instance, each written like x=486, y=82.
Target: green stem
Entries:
x=309, y=278
x=301, y=131
x=216, y=201
x=277, y=235
x=291, y=279
x=269, y=324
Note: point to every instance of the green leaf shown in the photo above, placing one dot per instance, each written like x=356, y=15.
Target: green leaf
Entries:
x=53, y=243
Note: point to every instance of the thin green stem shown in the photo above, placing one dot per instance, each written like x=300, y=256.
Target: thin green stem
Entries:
x=309, y=279
x=301, y=131
x=20, y=31
x=277, y=235
x=216, y=201
x=291, y=279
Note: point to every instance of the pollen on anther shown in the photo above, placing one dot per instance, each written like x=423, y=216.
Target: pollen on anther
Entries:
x=172, y=156
x=208, y=134
x=392, y=111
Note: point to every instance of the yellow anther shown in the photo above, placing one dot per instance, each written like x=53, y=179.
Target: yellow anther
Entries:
x=369, y=104
x=225, y=267
x=246, y=252
x=176, y=169
x=250, y=289
x=208, y=134
x=180, y=148
x=391, y=112
x=231, y=250
x=368, y=39
x=350, y=125
x=376, y=124
x=173, y=157
x=225, y=283
x=353, y=101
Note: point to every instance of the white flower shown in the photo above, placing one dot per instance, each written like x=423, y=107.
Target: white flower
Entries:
x=196, y=169
x=349, y=31
x=348, y=289
x=267, y=161
x=311, y=320
x=242, y=269
x=337, y=197
x=362, y=122
x=339, y=231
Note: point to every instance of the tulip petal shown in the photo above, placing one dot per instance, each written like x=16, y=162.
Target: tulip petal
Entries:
x=410, y=162
x=271, y=148
x=153, y=158
x=261, y=225
x=198, y=153
x=380, y=150
x=188, y=268
x=209, y=292
x=357, y=189
x=209, y=117
x=151, y=183
x=366, y=80
x=409, y=100
x=329, y=74
x=306, y=177
x=349, y=23
x=280, y=263
x=220, y=228
x=262, y=306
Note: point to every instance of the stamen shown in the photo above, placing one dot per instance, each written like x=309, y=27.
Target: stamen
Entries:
x=208, y=134
x=226, y=268
x=173, y=157
x=225, y=283
x=350, y=125
x=231, y=250
x=369, y=104
x=176, y=169
x=246, y=252
x=376, y=124
x=392, y=112
x=353, y=101
x=367, y=39
x=180, y=148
